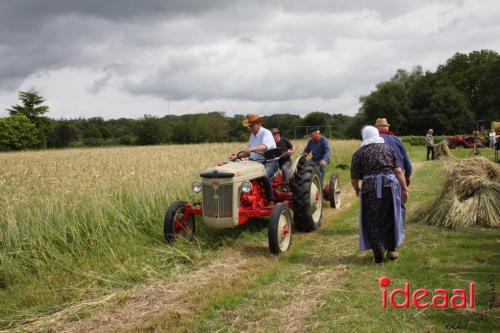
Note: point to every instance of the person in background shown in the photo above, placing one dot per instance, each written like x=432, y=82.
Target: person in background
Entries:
x=285, y=146
x=429, y=142
x=261, y=140
x=382, y=193
x=399, y=149
x=491, y=136
x=318, y=146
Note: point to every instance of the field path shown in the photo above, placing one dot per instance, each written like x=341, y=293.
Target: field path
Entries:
x=174, y=305
x=173, y=300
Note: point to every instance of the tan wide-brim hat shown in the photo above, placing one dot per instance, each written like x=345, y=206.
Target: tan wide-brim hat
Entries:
x=251, y=119
x=381, y=122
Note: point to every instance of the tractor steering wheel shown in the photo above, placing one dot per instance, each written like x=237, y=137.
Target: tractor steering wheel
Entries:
x=255, y=152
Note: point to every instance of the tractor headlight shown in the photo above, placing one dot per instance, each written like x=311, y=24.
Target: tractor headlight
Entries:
x=246, y=187
x=196, y=187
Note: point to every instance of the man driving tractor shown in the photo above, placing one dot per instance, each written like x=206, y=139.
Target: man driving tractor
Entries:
x=261, y=140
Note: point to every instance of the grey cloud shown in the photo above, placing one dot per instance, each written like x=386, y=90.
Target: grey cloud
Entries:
x=45, y=35
x=250, y=50
x=100, y=83
x=212, y=76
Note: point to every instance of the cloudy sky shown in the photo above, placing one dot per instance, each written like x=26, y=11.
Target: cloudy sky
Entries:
x=125, y=58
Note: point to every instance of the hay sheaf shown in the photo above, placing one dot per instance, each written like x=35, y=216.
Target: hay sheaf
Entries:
x=470, y=196
x=442, y=150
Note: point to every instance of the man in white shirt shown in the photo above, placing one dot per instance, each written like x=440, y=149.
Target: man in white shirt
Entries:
x=261, y=140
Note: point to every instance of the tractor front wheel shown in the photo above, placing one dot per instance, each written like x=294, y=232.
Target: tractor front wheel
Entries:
x=280, y=229
x=175, y=225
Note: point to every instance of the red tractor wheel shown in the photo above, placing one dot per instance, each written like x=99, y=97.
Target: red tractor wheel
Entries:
x=175, y=225
x=280, y=229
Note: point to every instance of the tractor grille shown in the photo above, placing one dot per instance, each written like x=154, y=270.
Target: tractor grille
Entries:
x=218, y=200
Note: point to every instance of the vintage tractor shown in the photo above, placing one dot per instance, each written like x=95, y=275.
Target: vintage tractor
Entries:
x=461, y=141
x=478, y=139
x=233, y=194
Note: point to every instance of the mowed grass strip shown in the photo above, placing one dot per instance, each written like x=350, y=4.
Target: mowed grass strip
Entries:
x=430, y=258
x=324, y=284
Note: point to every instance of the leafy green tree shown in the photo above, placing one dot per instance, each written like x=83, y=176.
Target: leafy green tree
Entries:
x=92, y=131
x=106, y=132
x=340, y=124
x=477, y=75
x=211, y=127
x=449, y=111
x=355, y=126
x=284, y=121
x=65, y=134
x=17, y=132
x=317, y=118
x=31, y=107
x=390, y=101
x=126, y=140
x=236, y=131
x=151, y=131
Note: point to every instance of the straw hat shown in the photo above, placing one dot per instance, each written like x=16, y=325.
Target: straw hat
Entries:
x=252, y=119
x=381, y=122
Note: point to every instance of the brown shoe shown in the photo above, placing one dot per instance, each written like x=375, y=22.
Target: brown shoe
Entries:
x=392, y=255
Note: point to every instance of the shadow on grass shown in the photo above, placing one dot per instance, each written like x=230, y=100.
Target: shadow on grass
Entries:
x=216, y=238
x=254, y=250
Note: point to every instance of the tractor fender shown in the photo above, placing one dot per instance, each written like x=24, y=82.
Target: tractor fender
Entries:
x=293, y=168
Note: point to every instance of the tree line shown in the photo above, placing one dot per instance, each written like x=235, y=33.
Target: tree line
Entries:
x=464, y=89
x=451, y=100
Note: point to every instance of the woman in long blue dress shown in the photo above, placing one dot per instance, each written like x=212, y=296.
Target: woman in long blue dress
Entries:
x=382, y=191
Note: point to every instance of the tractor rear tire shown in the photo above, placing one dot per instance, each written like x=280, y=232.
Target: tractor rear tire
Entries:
x=172, y=219
x=280, y=229
x=307, y=196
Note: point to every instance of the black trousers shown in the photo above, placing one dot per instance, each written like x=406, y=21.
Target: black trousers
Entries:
x=430, y=150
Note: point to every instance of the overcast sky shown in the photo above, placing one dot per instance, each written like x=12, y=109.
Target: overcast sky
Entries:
x=125, y=58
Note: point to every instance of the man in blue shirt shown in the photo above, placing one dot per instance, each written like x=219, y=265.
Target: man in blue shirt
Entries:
x=399, y=149
x=318, y=146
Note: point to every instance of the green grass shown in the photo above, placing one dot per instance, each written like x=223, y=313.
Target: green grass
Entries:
x=430, y=258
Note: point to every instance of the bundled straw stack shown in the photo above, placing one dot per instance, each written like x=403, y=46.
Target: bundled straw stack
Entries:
x=470, y=195
x=442, y=150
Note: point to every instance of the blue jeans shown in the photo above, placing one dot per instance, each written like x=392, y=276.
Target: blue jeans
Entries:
x=322, y=170
x=271, y=169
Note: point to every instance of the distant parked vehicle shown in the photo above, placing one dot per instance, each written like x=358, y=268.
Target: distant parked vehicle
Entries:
x=461, y=141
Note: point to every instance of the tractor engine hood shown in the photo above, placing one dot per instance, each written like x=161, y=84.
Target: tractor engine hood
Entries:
x=238, y=171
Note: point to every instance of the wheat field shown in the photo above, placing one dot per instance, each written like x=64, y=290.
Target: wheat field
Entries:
x=86, y=210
